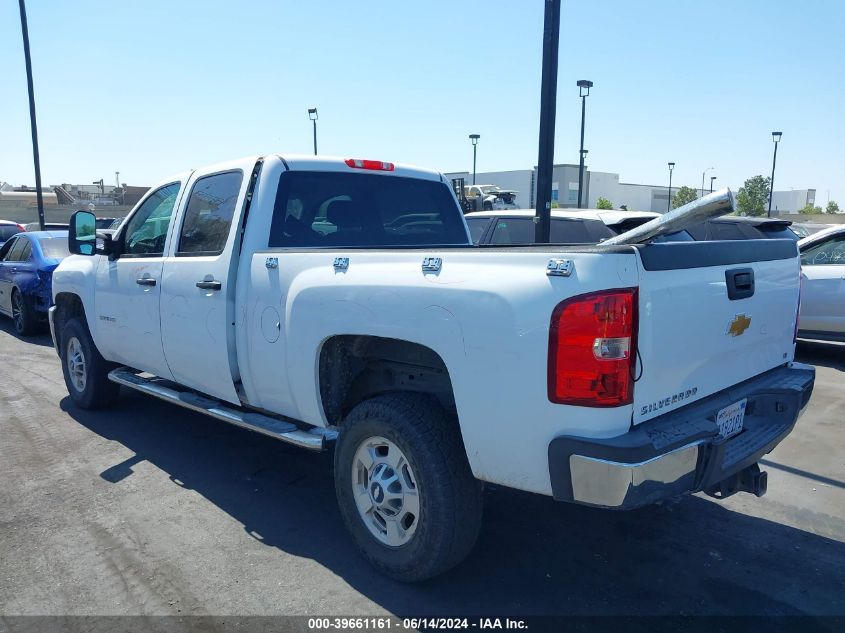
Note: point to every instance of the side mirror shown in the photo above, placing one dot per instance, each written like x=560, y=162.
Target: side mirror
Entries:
x=82, y=233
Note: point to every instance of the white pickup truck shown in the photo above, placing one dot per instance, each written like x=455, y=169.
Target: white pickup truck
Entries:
x=340, y=302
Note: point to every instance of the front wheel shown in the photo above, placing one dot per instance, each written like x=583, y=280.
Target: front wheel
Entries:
x=405, y=489
x=85, y=370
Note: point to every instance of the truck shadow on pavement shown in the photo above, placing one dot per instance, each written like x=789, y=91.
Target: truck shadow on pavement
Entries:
x=534, y=556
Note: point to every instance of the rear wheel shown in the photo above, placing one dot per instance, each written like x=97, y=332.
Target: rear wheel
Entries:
x=26, y=321
x=85, y=370
x=405, y=489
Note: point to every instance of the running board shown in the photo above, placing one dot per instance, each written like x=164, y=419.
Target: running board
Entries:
x=314, y=439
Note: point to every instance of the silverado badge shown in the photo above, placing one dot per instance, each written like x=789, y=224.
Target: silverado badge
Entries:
x=739, y=325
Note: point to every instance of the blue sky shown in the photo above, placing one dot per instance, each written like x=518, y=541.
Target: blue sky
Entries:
x=154, y=87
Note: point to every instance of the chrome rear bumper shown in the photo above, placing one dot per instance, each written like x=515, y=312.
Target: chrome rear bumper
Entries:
x=681, y=451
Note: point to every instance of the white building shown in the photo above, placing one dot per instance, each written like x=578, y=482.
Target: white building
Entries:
x=597, y=184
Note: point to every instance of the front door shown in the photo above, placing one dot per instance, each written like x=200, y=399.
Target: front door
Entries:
x=198, y=289
x=823, y=286
x=129, y=287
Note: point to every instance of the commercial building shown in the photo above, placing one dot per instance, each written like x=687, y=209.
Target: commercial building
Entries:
x=597, y=184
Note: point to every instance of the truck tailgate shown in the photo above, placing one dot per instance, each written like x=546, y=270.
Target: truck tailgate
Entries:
x=711, y=314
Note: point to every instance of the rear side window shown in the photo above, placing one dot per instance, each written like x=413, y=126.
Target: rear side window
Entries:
x=209, y=214
x=578, y=231
x=336, y=209
x=14, y=255
x=513, y=231
x=477, y=227
x=26, y=253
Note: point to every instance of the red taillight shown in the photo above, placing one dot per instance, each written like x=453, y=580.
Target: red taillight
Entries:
x=22, y=227
x=592, y=349
x=377, y=165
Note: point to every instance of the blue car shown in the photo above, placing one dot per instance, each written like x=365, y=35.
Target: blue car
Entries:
x=27, y=262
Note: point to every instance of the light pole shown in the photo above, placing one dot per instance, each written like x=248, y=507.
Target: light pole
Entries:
x=34, y=128
x=776, y=138
x=669, y=202
x=474, y=138
x=583, y=92
x=712, y=178
x=312, y=115
x=702, y=179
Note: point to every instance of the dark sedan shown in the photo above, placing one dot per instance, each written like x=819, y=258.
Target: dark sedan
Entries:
x=27, y=262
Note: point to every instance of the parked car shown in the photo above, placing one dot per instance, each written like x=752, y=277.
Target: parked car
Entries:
x=320, y=300
x=48, y=226
x=8, y=229
x=490, y=197
x=806, y=229
x=732, y=227
x=576, y=226
x=27, y=262
x=823, y=285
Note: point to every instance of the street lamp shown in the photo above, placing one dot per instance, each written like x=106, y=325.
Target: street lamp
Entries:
x=669, y=202
x=776, y=138
x=474, y=138
x=583, y=92
x=712, y=178
x=702, y=179
x=312, y=115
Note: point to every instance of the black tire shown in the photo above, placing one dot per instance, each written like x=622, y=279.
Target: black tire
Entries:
x=24, y=317
x=450, y=499
x=94, y=390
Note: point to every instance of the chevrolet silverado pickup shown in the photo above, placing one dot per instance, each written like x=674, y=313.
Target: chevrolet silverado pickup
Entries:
x=340, y=303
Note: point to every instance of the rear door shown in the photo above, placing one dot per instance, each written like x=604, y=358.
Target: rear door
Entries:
x=198, y=290
x=711, y=315
x=823, y=286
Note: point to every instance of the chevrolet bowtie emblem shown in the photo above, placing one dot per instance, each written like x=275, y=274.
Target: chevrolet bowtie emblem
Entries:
x=739, y=325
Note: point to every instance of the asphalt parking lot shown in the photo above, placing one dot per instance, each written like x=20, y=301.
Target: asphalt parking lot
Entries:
x=150, y=509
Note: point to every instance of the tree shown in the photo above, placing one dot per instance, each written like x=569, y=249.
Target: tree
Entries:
x=753, y=196
x=810, y=209
x=683, y=196
x=832, y=207
x=604, y=203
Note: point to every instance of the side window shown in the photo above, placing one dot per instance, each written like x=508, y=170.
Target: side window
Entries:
x=209, y=214
x=27, y=251
x=831, y=251
x=513, y=231
x=146, y=231
x=14, y=254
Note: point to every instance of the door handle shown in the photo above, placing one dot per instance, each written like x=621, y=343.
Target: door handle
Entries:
x=209, y=285
x=146, y=281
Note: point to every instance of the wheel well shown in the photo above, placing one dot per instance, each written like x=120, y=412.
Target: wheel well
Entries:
x=68, y=306
x=354, y=368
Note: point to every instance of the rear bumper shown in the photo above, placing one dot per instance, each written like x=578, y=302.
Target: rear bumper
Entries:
x=681, y=451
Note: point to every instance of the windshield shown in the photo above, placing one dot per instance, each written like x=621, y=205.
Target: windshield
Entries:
x=490, y=189
x=54, y=247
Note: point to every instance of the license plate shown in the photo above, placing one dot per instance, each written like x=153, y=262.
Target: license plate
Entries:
x=730, y=419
